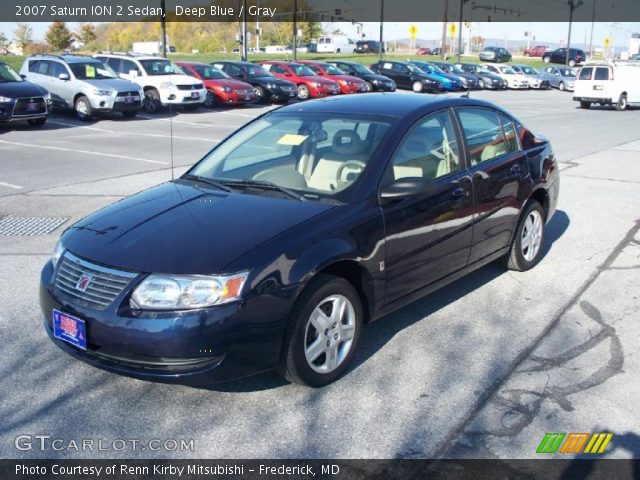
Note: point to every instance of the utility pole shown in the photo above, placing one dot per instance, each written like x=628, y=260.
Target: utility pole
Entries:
x=295, y=30
x=244, y=30
x=572, y=7
x=443, y=43
x=593, y=19
x=381, y=30
x=462, y=2
x=163, y=25
x=257, y=28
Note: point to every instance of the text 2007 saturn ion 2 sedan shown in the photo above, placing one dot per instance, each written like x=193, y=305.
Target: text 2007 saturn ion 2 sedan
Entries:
x=278, y=246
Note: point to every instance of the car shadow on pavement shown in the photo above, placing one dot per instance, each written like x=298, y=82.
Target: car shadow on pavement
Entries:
x=376, y=335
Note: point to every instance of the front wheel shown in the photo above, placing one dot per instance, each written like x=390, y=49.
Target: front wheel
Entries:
x=481, y=83
x=260, y=94
x=561, y=86
x=417, y=86
x=303, y=92
x=546, y=59
x=152, y=102
x=37, y=122
x=211, y=100
x=572, y=63
x=526, y=247
x=622, y=103
x=369, y=87
x=83, y=108
x=323, y=332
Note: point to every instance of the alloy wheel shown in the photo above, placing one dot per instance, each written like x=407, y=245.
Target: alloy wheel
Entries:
x=531, y=236
x=329, y=333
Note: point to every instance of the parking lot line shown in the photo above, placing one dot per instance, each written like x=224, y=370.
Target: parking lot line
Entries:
x=87, y=152
x=10, y=185
x=157, y=135
x=193, y=124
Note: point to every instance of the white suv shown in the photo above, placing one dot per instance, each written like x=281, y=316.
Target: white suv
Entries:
x=162, y=80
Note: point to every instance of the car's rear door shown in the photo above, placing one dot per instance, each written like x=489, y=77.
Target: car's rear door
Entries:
x=428, y=236
x=500, y=174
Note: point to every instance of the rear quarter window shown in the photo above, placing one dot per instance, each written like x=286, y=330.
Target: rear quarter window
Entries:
x=585, y=73
x=602, y=73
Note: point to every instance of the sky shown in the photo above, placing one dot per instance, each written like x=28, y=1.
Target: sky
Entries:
x=543, y=31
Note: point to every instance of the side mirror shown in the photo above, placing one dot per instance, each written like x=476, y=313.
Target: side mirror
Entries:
x=133, y=73
x=408, y=187
x=64, y=76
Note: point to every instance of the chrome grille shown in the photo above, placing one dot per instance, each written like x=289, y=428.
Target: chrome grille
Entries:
x=104, y=286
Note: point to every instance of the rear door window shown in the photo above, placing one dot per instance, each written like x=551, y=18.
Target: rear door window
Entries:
x=602, y=73
x=484, y=135
x=585, y=73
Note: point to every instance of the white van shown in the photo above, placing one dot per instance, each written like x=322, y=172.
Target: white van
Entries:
x=335, y=44
x=616, y=84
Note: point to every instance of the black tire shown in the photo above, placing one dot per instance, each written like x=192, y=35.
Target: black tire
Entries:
x=37, y=122
x=417, y=86
x=546, y=59
x=585, y=105
x=516, y=258
x=130, y=114
x=83, y=108
x=152, y=102
x=211, y=100
x=622, y=103
x=293, y=363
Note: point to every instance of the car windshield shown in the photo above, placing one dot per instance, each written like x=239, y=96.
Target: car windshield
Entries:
x=445, y=68
x=333, y=70
x=256, y=71
x=482, y=69
x=507, y=70
x=160, y=67
x=208, y=72
x=361, y=69
x=7, y=74
x=303, y=71
x=426, y=68
x=456, y=69
x=414, y=68
x=528, y=70
x=92, y=71
x=316, y=155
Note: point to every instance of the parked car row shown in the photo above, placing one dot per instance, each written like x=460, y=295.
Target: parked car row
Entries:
x=559, y=55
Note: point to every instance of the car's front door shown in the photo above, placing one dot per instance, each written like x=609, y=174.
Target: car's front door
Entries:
x=428, y=235
x=500, y=174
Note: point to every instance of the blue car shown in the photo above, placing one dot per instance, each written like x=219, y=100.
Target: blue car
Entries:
x=450, y=83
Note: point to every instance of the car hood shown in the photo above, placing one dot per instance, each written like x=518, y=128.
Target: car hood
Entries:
x=348, y=78
x=227, y=82
x=118, y=84
x=316, y=78
x=274, y=80
x=180, y=227
x=21, y=89
x=371, y=77
x=175, y=79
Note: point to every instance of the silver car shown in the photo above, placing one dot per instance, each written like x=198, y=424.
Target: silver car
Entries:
x=534, y=76
x=83, y=84
x=562, y=78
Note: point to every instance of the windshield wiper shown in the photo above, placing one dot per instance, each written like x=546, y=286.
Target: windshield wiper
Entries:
x=263, y=184
x=206, y=180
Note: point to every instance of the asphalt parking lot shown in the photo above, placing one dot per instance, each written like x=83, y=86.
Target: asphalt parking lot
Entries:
x=483, y=368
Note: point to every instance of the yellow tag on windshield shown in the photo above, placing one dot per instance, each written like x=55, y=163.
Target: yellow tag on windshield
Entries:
x=292, y=139
x=90, y=71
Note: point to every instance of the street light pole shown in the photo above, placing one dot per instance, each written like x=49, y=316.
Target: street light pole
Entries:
x=295, y=30
x=163, y=25
x=593, y=19
x=381, y=30
x=443, y=42
x=572, y=7
x=244, y=31
x=462, y=2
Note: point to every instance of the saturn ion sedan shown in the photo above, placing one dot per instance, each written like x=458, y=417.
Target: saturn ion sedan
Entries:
x=278, y=247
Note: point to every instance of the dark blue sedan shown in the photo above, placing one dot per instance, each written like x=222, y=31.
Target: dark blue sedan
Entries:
x=275, y=249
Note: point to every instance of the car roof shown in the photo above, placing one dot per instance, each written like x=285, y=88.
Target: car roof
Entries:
x=385, y=104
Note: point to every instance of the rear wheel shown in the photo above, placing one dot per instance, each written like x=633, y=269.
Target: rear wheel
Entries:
x=303, y=92
x=584, y=104
x=323, y=332
x=526, y=247
x=417, y=86
x=83, y=108
x=622, y=103
x=37, y=122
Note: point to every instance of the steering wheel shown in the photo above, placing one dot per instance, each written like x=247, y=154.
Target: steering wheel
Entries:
x=354, y=164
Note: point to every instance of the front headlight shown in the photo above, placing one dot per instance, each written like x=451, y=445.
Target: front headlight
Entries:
x=5, y=99
x=174, y=292
x=227, y=89
x=167, y=85
x=349, y=83
x=103, y=93
x=57, y=254
x=47, y=97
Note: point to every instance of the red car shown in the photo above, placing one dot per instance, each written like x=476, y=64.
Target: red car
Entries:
x=348, y=83
x=423, y=51
x=537, y=51
x=221, y=88
x=309, y=84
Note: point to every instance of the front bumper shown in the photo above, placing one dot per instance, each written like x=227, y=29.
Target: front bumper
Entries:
x=197, y=347
x=234, y=97
x=9, y=112
x=182, y=97
x=280, y=93
x=384, y=87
